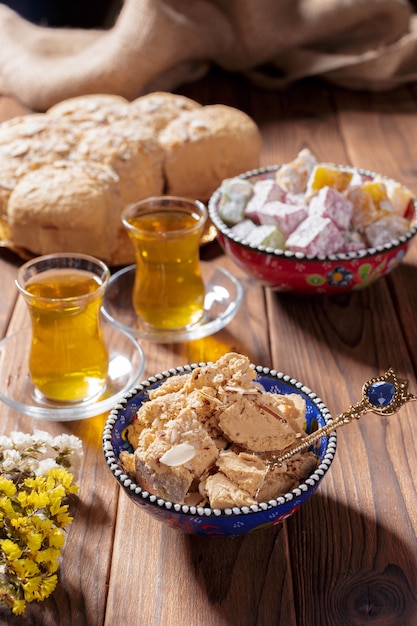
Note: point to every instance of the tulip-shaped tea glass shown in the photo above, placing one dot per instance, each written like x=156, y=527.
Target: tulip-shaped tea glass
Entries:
x=168, y=291
x=68, y=359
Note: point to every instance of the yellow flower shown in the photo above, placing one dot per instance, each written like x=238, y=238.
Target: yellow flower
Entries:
x=7, y=486
x=25, y=568
x=31, y=588
x=35, y=482
x=33, y=500
x=43, y=526
x=65, y=478
x=56, y=497
x=47, y=586
x=6, y=508
x=20, y=523
x=11, y=549
x=56, y=538
x=64, y=519
x=18, y=606
x=34, y=541
x=33, y=514
x=49, y=555
x=39, y=588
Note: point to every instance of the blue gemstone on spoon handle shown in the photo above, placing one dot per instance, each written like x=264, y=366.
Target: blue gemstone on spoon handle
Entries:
x=381, y=393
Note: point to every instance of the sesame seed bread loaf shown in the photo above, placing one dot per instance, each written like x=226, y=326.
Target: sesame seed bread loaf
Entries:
x=80, y=215
x=66, y=175
x=27, y=143
x=204, y=146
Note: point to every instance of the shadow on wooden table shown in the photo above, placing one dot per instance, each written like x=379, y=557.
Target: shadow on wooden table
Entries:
x=369, y=577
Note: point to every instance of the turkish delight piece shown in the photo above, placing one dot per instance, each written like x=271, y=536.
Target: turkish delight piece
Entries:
x=378, y=192
x=243, y=229
x=172, y=483
x=172, y=457
x=285, y=216
x=364, y=210
x=258, y=426
x=263, y=191
x=370, y=203
x=244, y=469
x=324, y=175
x=223, y=493
x=353, y=241
x=266, y=235
x=235, y=193
x=383, y=230
x=293, y=176
x=316, y=236
x=358, y=178
x=398, y=195
x=331, y=203
x=283, y=477
x=296, y=199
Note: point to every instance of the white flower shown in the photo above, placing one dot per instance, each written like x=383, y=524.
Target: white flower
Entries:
x=67, y=443
x=41, y=436
x=5, y=443
x=36, y=454
x=11, y=460
x=12, y=455
x=44, y=466
x=69, y=452
x=21, y=441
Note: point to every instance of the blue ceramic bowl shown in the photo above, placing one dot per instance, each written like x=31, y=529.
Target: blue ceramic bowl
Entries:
x=204, y=520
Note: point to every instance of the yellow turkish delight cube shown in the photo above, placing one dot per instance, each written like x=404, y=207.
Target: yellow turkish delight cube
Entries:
x=399, y=196
x=378, y=192
x=370, y=203
x=328, y=176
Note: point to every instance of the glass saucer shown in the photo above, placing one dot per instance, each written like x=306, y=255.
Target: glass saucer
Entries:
x=126, y=366
x=223, y=298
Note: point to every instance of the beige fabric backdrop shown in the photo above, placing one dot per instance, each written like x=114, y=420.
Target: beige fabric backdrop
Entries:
x=160, y=44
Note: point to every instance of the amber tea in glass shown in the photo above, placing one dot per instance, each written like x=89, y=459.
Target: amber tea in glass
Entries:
x=68, y=359
x=165, y=231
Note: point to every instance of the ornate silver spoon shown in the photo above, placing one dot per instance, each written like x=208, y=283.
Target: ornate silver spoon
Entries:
x=383, y=395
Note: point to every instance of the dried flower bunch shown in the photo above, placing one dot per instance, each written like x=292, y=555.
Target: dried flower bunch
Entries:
x=37, y=474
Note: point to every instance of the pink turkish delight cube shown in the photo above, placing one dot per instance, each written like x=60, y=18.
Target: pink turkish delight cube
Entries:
x=316, y=236
x=332, y=204
x=243, y=229
x=286, y=216
x=263, y=191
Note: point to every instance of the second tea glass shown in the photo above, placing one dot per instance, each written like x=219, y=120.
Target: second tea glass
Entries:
x=165, y=231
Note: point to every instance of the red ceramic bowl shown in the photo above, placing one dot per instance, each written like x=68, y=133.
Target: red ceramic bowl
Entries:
x=295, y=272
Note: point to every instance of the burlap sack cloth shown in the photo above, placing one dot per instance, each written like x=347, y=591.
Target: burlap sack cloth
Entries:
x=160, y=44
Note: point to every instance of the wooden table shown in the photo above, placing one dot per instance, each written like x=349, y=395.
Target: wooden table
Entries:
x=349, y=557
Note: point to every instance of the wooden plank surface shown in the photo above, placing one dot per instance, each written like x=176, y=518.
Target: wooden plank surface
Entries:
x=349, y=556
